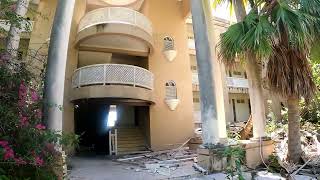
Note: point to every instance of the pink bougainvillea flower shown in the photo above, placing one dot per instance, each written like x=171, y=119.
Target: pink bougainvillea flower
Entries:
x=20, y=161
x=4, y=144
x=24, y=121
x=22, y=95
x=39, y=113
x=13, y=7
x=8, y=154
x=21, y=103
x=40, y=127
x=22, y=90
x=39, y=161
x=34, y=95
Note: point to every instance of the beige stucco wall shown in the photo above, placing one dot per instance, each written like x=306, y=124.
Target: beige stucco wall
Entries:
x=111, y=91
x=39, y=38
x=166, y=126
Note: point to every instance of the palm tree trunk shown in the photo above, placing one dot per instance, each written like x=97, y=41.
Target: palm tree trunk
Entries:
x=13, y=39
x=294, y=142
x=255, y=86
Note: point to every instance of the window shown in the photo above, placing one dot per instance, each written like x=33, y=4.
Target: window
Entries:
x=196, y=100
x=237, y=73
x=171, y=90
x=240, y=101
x=193, y=68
x=168, y=43
x=112, y=116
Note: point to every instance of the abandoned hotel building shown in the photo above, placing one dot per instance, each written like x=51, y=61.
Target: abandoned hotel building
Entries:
x=131, y=81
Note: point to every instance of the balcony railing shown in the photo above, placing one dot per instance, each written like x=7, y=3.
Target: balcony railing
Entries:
x=112, y=74
x=232, y=82
x=237, y=82
x=115, y=15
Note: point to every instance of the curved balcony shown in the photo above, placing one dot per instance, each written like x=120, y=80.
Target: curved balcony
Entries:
x=132, y=4
x=115, y=29
x=112, y=81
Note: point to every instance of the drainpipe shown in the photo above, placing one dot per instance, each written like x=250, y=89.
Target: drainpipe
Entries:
x=56, y=67
x=208, y=98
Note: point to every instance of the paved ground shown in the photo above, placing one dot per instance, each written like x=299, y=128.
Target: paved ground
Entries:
x=101, y=168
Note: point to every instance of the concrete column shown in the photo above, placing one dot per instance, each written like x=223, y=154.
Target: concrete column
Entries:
x=222, y=99
x=201, y=18
x=56, y=67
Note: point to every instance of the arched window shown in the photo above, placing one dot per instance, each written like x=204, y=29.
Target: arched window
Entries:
x=171, y=90
x=168, y=43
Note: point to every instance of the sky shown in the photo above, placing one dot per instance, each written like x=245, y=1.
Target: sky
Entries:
x=222, y=12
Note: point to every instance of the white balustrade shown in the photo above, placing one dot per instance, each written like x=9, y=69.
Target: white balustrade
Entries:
x=115, y=74
x=234, y=82
x=115, y=15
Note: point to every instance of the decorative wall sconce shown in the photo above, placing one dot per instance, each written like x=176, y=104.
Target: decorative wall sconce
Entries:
x=171, y=95
x=169, y=50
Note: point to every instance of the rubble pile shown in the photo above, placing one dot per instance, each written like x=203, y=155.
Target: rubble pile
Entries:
x=310, y=138
x=162, y=162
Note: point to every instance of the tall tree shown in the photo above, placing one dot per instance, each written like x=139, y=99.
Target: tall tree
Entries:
x=298, y=24
x=281, y=33
x=253, y=69
x=13, y=39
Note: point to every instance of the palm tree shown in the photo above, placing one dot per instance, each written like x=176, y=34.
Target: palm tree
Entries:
x=298, y=27
x=253, y=69
x=282, y=33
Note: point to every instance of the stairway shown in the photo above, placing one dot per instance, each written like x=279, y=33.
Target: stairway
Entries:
x=130, y=139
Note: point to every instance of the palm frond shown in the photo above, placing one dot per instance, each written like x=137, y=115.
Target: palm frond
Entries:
x=258, y=37
x=315, y=52
x=310, y=6
x=289, y=73
x=229, y=45
x=299, y=27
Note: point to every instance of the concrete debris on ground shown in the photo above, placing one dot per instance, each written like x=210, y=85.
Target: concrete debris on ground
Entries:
x=310, y=138
x=166, y=163
x=261, y=175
